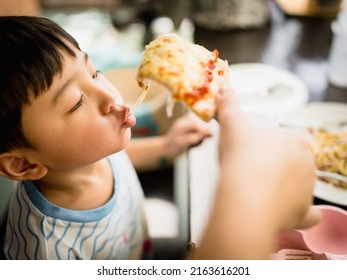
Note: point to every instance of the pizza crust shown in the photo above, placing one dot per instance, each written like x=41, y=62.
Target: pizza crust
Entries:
x=192, y=73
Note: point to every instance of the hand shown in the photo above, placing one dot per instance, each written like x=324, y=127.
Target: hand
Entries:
x=273, y=165
x=149, y=152
x=186, y=132
x=265, y=186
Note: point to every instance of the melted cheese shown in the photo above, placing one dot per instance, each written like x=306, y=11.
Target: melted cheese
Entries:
x=192, y=73
x=170, y=104
x=145, y=85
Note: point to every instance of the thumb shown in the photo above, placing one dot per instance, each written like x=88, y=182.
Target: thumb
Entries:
x=311, y=218
x=227, y=103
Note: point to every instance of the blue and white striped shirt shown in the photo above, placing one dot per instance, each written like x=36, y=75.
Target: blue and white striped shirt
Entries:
x=37, y=229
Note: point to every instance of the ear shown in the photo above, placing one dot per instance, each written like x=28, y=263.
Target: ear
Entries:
x=15, y=166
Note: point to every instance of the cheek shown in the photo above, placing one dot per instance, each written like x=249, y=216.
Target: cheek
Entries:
x=84, y=147
x=98, y=137
x=86, y=138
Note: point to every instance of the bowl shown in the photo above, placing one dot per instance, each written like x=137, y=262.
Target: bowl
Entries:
x=151, y=116
x=326, y=240
x=330, y=234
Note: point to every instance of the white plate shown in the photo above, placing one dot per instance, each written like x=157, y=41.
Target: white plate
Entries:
x=252, y=81
x=328, y=115
x=330, y=193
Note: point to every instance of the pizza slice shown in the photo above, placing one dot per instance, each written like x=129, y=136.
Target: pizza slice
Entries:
x=192, y=73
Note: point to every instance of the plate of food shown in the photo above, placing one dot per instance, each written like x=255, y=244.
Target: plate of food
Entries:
x=325, y=125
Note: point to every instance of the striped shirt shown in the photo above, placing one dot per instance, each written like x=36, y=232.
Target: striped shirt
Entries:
x=37, y=229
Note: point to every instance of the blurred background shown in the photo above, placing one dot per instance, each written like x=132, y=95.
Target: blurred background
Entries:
x=294, y=36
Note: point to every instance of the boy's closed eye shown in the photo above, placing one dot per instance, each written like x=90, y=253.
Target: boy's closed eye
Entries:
x=81, y=100
x=77, y=105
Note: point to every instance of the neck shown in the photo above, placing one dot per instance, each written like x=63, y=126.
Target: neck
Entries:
x=84, y=188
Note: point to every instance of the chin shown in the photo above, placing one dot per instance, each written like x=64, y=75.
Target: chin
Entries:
x=127, y=137
x=121, y=145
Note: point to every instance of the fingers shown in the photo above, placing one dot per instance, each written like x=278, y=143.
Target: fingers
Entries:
x=186, y=132
x=311, y=218
x=190, y=124
x=227, y=103
x=194, y=139
x=230, y=115
x=194, y=132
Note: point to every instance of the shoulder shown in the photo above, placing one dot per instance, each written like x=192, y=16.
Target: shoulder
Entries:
x=124, y=173
x=120, y=162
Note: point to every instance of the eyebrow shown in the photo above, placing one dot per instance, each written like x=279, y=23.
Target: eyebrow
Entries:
x=61, y=90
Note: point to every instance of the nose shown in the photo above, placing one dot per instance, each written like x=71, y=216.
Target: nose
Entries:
x=106, y=100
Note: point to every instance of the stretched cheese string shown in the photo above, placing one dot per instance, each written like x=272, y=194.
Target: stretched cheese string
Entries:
x=170, y=104
x=145, y=86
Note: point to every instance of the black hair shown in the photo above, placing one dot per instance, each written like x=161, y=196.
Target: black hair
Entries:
x=31, y=55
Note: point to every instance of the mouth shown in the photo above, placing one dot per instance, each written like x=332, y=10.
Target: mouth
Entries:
x=129, y=119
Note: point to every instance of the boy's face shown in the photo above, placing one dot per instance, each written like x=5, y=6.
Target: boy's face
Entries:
x=77, y=121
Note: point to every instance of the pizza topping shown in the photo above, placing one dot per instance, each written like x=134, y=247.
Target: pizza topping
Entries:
x=192, y=73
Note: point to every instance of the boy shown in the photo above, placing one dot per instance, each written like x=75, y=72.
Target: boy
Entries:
x=63, y=128
x=63, y=132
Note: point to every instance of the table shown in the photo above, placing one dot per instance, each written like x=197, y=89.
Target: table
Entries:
x=300, y=45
